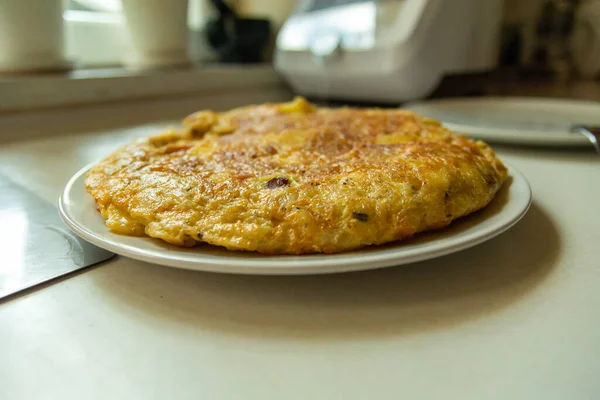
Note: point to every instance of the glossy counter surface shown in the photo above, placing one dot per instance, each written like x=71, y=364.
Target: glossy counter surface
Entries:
x=513, y=318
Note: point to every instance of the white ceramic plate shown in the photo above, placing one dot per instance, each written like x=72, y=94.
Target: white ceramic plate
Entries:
x=533, y=121
x=77, y=209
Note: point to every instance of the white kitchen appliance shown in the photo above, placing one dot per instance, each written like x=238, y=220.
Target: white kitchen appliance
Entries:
x=385, y=50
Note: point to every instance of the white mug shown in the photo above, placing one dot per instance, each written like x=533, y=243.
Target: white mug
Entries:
x=31, y=35
x=159, y=33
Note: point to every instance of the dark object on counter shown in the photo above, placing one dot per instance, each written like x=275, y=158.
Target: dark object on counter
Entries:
x=237, y=40
x=511, y=46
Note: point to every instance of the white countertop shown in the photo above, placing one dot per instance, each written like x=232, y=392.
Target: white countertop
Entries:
x=514, y=318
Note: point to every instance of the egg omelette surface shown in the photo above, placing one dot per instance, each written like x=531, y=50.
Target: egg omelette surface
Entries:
x=291, y=178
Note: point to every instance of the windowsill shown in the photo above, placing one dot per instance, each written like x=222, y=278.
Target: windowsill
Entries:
x=96, y=86
x=42, y=106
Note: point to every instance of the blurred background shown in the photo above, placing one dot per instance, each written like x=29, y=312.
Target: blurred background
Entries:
x=382, y=52
x=554, y=38
x=532, y=33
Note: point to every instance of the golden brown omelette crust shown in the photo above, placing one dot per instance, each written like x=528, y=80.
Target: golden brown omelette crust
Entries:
x=291, y=178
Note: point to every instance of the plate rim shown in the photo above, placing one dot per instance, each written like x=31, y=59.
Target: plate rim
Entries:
x=507, y=135
x=291, y=264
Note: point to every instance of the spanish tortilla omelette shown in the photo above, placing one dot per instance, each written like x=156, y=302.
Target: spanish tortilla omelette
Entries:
x=292, y=178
